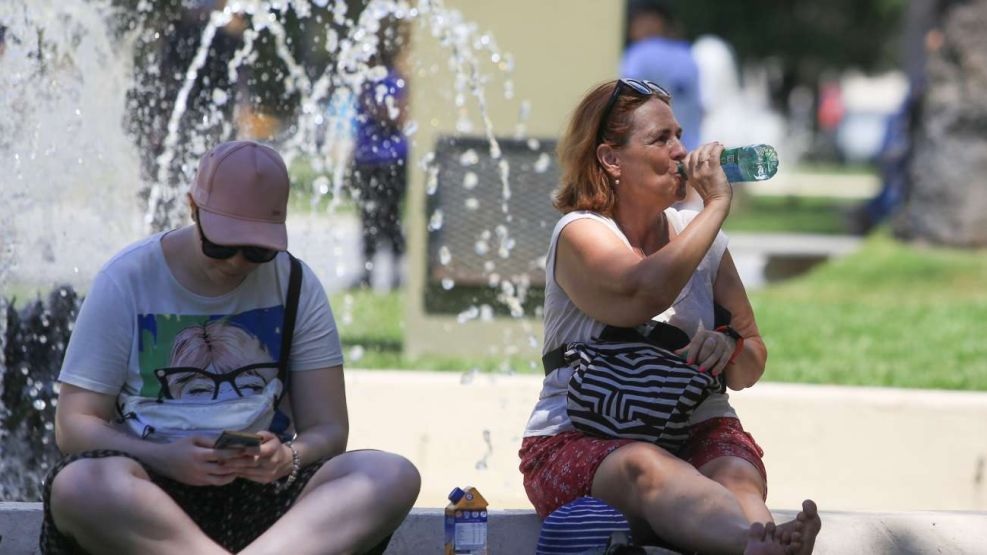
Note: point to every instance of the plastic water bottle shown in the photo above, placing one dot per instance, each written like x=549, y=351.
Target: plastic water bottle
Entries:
x=746, y=163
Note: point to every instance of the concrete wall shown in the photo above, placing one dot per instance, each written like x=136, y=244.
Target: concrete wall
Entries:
x=894, y=471
x=849, y=448
x=560, y=48
x=516, y=532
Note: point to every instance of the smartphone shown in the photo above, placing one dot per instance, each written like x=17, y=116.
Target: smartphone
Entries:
x=231, y=440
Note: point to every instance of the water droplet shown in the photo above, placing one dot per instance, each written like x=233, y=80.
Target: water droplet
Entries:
x=436, y=221
x=432, y=183
x=321, y=185
x=481, y=248
x=470, y=313
x=357, y=352
x=469, y=158
x=219, y=97
x=472, y=203
x=445, y=257
x=468, y=376
x=543, y=162
x=39, y=404
x=470, y=180
x=448, y=283
x=486, y=313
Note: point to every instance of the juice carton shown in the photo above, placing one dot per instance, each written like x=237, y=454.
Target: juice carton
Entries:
x=466, y=523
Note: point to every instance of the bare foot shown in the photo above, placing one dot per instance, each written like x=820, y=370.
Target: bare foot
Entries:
x=762, y=539
x=799, y=535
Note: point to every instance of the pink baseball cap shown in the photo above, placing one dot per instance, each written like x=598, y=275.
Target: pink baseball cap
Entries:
x=241, y=189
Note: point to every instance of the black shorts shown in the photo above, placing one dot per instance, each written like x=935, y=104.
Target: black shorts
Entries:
x=233, y=515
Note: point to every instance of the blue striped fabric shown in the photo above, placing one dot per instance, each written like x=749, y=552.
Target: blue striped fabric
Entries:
x=580, y=526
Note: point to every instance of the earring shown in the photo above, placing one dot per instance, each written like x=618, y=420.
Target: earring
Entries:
x=616, y=182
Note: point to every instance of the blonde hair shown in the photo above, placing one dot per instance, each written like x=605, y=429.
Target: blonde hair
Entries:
x=585, y=185
x=227, y=346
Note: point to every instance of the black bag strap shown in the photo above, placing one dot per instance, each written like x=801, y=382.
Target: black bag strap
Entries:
x=663, y=335
x=288, y=326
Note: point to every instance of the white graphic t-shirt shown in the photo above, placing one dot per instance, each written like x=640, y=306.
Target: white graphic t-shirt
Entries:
x=140, y=333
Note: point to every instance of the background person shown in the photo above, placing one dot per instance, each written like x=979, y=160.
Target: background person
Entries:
x=657, y=52
x=118, y=493
x=380, y=156
x=622, y=256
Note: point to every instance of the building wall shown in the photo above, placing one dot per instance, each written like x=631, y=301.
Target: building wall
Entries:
x=560, y=48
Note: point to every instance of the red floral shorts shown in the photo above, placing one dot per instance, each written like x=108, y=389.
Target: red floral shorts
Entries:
x=558, y=469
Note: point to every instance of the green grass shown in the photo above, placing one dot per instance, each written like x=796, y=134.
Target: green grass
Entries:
x=773, y=214
x=372, y=332
x=305, y=197
x=888, y=315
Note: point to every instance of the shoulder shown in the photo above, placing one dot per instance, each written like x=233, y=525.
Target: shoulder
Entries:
x=582, y=215
x=588, y=229
x=310, y=284
x=134, y=260
x=585, y=218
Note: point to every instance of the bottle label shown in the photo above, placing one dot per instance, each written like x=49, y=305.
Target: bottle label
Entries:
x=732, y=170
x=470, y=535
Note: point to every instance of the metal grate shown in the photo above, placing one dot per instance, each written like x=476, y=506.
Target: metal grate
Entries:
x=479, y=236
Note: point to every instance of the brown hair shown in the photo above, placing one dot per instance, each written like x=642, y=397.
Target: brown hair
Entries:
x=585, y=184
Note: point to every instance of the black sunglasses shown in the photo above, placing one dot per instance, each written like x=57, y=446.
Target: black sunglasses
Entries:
x=641, y=87
x=257, y=255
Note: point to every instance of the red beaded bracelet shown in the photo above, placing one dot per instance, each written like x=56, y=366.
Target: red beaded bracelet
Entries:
x=738, y=346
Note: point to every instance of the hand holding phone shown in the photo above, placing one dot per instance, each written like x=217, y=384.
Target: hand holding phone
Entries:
x=232, y=440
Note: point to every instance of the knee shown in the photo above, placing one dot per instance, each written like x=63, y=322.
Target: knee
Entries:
x=647, y=468
x=396, y=476
x=84, y=483
x=736, y=475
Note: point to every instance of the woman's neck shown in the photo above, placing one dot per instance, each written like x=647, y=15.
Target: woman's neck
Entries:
x=646, y=232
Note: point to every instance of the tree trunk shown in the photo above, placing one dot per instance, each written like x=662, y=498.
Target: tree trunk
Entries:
x=947, y=200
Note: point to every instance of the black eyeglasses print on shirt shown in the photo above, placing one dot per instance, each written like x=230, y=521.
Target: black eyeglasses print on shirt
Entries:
x=188, y=381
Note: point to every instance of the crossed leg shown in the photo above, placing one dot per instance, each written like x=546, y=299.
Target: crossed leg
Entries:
x=677, y=501
x=110, y=505
x=353, y=502
x=746, y=484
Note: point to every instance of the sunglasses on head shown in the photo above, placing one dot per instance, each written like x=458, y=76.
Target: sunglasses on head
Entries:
x=641, y=87
x=257, y=255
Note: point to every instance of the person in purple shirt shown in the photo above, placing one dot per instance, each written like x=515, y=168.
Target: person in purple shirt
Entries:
x=380, y=154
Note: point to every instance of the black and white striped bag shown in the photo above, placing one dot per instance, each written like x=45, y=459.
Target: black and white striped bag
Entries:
x=633, y=389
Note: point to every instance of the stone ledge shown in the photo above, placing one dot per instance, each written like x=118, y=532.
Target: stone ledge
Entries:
x=516, y=531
